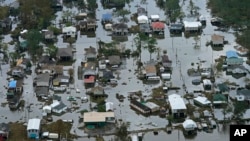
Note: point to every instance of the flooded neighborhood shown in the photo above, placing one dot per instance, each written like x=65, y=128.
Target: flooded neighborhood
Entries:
x=120, y=70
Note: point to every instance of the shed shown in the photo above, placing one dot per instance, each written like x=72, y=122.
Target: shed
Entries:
x=13, y=84
x=217, y=40
x=142, y=19
x=109, y=106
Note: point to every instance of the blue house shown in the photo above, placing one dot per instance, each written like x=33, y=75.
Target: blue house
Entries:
x=106, y=18
x=233, y=59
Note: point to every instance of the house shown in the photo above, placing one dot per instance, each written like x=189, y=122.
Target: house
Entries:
x=207, y=84
x=69, y=31
x=90, y=54
x=140, y=107
x=145, y=28
x=166, y=62
x=61, y=80
x=33, y=128
x=120, y=29
x=45, y=60
x=114, y=60
x=107, y=18
x=105, y=75
x=176, y=28
x=87, y=25
x=102, y=64
x=42, y=91
x=64, y=54
x=150, y=71
x=243, y=95
x=4, y=131
x=58, y=107
x=155, y=18
x=233, y=59
x=42, y=80
x=217, y=40
x=142, y=19
x=192, y=26
x=166, y=76
x=223, y=88
x=17, y=71
x=177, y=106
x=98, y=119
x=152, y=106
x=189, y=125
x=141, y=11
x=219, y=99
x=158, y=27
x=14, y=102
x=98, y=91
x=48, y=35
x=6, y=24
x=202, y=101
x=109, y=106
x=51, y=69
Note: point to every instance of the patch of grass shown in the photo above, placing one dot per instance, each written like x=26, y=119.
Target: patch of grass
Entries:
x=18, y=132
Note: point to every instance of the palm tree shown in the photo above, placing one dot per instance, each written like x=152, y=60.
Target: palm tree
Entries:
x=151, y=45
x=138, y=40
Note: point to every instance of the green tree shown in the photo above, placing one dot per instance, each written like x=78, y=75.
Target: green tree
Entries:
x=4, y=10
x=51, y=50
x=150, y=45
x=123, y=13
x=138, y=40
x=36, y=13
x=34, y=37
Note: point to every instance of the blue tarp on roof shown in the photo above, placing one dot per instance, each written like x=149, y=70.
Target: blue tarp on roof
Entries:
x=12, y=84
x=231, y=54
x=106, y=16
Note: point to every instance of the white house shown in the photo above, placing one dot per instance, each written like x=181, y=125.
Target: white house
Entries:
x=177, y=105
x=207, y=84
x=69, y=31
x=189, y=125
x=192, y=26
x=142, y=19
x=154, y=18
x=33, y=128
x=58, y=107
x=166, y=76
x=202, y=101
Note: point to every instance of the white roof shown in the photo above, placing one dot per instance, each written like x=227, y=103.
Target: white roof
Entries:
x=191, y=24
x=207, y=82
x=47, y=107
x=189, y=124
x=54, y=104
x=97, y=116
x=152, y=105
x=142, y=19
x=155, y=17
x=34, y=124
x=202, y=100
x=69, y=28
x=176, y=102
x=109, y=106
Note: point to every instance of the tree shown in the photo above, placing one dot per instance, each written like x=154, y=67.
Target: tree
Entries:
x=71, y=73
x=138, y=40
x=34, y=37
x=51, y=50
x=36, y=13
x=151, y=45
x=122, y=13
x=3, y=12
